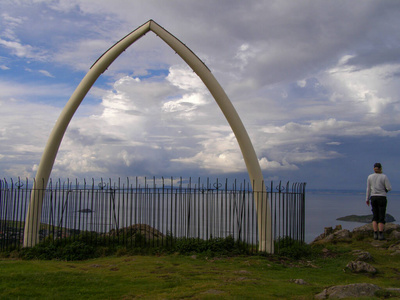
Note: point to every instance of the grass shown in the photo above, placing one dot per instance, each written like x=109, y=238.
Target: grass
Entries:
x=176, y=276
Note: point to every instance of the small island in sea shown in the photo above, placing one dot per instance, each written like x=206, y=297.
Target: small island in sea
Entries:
x=364, y=219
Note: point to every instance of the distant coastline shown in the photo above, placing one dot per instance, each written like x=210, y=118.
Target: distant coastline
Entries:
x=364, y=219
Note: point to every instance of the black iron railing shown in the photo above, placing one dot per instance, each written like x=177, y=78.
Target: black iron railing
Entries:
x=156, y=208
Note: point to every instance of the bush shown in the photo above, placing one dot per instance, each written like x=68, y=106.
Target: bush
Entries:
x=291, y=248
x=88, y=245
x=47, y=251
x=76, y=251
x=212, y=247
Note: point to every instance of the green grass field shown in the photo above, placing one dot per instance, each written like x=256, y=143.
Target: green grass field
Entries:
x=196, y=277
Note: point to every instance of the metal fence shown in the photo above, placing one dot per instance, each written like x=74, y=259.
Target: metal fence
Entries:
x=156, y=208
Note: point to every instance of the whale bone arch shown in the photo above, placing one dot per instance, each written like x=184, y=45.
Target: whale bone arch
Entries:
x=32, y=221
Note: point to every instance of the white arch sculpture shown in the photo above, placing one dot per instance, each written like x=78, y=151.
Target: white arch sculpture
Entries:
x=32, y=222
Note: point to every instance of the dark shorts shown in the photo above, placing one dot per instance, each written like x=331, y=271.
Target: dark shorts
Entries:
x=379, y=204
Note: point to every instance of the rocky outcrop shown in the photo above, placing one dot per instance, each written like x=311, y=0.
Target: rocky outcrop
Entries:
x=363, y=260
x=395, y=235
x=394, y=249
x=367, y=230
x=331, y=235
x=392, y=232
x=361, y=267
x=348, y=291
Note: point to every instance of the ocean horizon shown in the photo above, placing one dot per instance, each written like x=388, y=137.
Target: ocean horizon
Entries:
x=324, y=207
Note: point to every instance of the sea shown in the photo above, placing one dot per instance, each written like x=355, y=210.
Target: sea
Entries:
x=324, y=207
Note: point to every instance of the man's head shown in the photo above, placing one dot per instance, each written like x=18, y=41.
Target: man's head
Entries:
x=377, y=168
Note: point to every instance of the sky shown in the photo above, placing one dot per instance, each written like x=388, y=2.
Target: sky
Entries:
x=316, y=84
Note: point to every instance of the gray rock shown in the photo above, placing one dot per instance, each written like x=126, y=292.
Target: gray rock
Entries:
x=368, y=230
x=328, y=238
x=362, y=255
x=395, y=235
x=364, y=230
x=318, y=238
x=395, y=248
x=299, y=281
x=361, y=267
x=389, y=227
x=347, y=291
x=330, y=235
x=342, y=234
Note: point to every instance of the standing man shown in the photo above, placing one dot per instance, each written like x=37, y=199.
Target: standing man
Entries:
x=377, y=186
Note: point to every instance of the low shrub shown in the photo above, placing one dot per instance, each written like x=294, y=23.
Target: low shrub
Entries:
x=291, y=248
x=47, y=251
x=212, y=246
x=76, y=251
x=88, y=245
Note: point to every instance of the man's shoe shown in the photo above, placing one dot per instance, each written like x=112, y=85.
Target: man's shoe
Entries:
x=381, y=237
x=375, y=235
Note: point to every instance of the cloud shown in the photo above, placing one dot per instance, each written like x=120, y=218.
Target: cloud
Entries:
x=362, y=87
x=18, y=49
x=185, y=79
x=23, y=135
x=9, y=24
x=131, y=124
x=308, y=80
x=10, y=40
x=225, y=162
x=46, y=73
x=80, y=55
x=13, y=90
x=295, y=143
x=274, y=165
x=313, y=131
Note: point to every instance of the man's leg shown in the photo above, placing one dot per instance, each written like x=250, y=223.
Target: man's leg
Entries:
x=375, y=227
x=382, y=214
x=381, y=229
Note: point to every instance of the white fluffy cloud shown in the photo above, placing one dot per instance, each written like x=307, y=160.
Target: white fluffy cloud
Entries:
x=371, y=88
x=138, y=118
